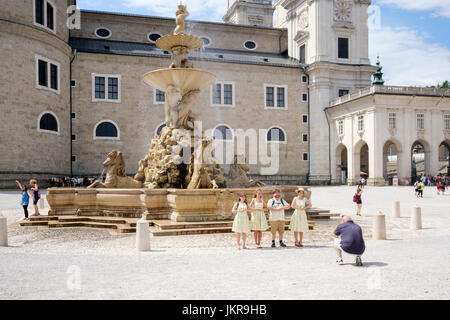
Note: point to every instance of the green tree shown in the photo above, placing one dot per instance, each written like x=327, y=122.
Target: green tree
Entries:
x=444, y=85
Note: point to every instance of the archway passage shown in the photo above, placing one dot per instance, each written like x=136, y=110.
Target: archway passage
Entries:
x=364, y=159
x=444, y=158
x=418, y=161
x=390, y=161
x=341, y=164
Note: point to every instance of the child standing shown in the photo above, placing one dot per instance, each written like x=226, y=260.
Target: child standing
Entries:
x=36, y=194
x=258, y=222
x=358, y=201
x=241, y=223
x=25, y=198
x=299, y=221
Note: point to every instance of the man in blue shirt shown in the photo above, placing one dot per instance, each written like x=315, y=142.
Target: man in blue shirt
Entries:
x=349, y=238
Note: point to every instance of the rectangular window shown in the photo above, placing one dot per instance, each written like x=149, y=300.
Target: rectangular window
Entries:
x=47, y=74
x=50, y=17
x=227, y=94
x=74, y=158
x=360, y=123
x=447, y=122
x=275, y=96
x=392, y=120
x=341, y=127
x=303, y=54
x=106, y=87
x=39, y=11
x=74, y=115
x=343, y=48
x=342, y=92
x=43, y=78
x=304, y=79
x=113, y=88
x=74, y=137
x=304, y=97
x=420, y=121
x=222, y=94
x=269, y=97
x=280, y=97
x=305, y=137
x=305, y=156
x=53, y=77
x=73, y=83
x=99, y=88
x=159, y=96
x=305, y=118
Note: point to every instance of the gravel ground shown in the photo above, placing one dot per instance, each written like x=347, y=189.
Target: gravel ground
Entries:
x=77, y=263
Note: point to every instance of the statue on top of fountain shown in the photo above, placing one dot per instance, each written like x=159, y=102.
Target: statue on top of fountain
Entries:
x=181, y=15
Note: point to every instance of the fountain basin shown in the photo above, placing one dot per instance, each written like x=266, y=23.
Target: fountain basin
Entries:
x=179, y=205
x=188, y=41
x=184, y=79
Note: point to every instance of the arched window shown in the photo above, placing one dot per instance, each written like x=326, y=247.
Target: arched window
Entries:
x=206, y=41
x=276, y=134
x=48, y=122
x=223, y=132
x=159, y=128
x=106, y=129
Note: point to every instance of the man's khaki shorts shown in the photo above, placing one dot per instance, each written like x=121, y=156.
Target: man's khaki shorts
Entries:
x=277, y=226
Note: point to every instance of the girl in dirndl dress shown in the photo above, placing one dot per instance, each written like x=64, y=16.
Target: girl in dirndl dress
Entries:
x=258, y=223
x=299, y=220
x=241, y=223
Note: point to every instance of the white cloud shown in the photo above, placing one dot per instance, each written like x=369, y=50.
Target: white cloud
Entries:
x=207, y=10
x=439, y=7
x=407, y=58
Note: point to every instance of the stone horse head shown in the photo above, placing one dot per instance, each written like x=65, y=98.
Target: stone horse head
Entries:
x=116, y=163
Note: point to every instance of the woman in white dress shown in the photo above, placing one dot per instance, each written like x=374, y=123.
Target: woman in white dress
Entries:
x=241, y=223
x=258, y=223
x=299, y=221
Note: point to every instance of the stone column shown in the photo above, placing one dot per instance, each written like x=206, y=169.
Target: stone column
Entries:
x=416, y=218
x=142, y=235
x=396, y=209
x=3, y=232
x=379, y=227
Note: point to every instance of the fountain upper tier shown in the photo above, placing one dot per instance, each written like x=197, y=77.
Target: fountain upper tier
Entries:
x=173, y=41
x=184, y=79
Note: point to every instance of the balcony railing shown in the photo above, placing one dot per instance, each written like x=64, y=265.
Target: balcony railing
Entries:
x=411, y=91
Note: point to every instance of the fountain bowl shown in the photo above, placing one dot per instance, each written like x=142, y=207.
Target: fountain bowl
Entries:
x=185, y=79
x=188, y=41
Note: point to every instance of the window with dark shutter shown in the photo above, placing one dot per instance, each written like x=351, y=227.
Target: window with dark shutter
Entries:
x=106, y=129
x=50, y=17
x=48, y=122
x=39, y=11
x=43, y=78
x=343, y=48
x=53, y=76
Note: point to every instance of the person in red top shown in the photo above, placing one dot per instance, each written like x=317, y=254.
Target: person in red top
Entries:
x=358, y=201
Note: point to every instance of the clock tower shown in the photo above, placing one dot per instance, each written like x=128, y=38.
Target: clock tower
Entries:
x=331, y=38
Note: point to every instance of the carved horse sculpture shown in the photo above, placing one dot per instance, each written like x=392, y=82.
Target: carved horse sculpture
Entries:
x=116, y=176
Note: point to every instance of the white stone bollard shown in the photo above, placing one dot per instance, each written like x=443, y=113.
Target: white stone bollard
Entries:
x=416, y=218
x=396, y=209
x=142, y=235
x=3, y=232
x=379, y=227
x=41, y=203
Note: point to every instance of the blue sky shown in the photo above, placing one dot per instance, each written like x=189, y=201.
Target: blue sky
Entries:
x=412, y=38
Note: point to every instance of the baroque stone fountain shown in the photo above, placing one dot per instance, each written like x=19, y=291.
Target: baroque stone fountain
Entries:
x=178, y=178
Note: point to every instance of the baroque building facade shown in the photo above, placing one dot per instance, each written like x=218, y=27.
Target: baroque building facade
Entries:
x=295, y=69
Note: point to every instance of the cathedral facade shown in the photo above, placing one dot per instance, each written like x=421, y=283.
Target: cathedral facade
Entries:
x=297, y=72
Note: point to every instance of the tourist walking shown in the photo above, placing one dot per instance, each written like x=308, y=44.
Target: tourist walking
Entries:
x=241, y=223
x=258, y=222
x=348, y=237
x=276, y=207
x=299, y=220
x=36, y=195
x=420, y=189
x=416, y=188
x=357, y=199
x=25, y=198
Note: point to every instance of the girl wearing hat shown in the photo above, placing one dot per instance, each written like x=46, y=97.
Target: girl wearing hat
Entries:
x=259, y=222
x=299, y=221
x=241, y=223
